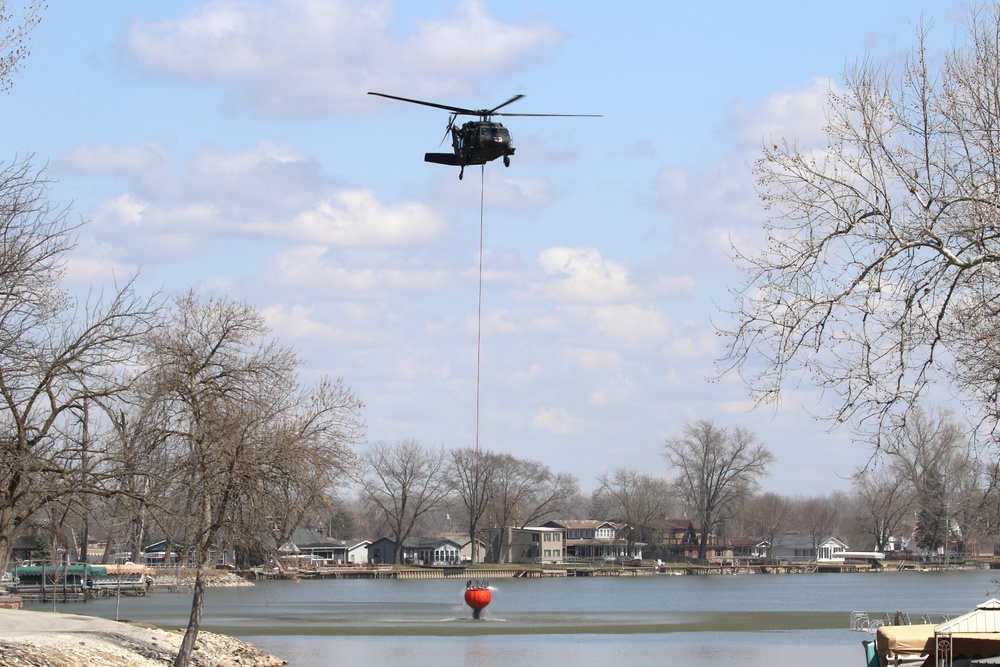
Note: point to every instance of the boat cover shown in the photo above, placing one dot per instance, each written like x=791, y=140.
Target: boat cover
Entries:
x=893, y=640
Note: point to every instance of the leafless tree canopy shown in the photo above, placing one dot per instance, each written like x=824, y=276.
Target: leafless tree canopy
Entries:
x=768, y=516
x=405, y=481
x=880, y=269
x=16, y=21
x=884, y=502
x=523, y=493
x=929, y=448
x=818, y=517
x=222, y=403
x=471, y=474
x=717, y=470
x=640, y=502
x=59, y=358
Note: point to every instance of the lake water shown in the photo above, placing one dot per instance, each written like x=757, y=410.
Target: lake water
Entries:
x=751, y=621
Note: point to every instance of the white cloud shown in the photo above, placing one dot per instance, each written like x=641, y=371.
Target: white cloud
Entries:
x=311, y=57
x=798, y=114
x=295, y=321
x=268, y=191
x=553, y=420
x=125, y=210
x=112, y=160
x=312, y=267
x=581, y=275
x=593, y=360
x=356, y=217
x=621, y=325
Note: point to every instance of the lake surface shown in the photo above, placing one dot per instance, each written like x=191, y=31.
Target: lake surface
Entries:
x=721, y=620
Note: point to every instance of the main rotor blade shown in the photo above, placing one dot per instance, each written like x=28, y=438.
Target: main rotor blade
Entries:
x=494, y=109
x=460, y=110
x=561, y=115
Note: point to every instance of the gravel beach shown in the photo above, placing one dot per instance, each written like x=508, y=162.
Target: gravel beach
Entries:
x=50, y=639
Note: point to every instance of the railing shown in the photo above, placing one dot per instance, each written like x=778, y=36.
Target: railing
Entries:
x=861, y=621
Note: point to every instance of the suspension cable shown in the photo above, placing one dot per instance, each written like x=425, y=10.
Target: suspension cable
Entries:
x=479, y=316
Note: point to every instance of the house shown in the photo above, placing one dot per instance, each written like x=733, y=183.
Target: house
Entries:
x=417, y=551
x=681, y=538
x=466, y=544
x=742, y=549
x=156, y=555
x=312, y=546
x=797, y=547
x=591, y=539
x=535, y=544
x=830, y=549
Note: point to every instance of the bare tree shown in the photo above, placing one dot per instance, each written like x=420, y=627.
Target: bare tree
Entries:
x=818, y=517
x=927, y=444
x=405, y=481
x=880, y=269
x=57, y=356
x=886, y=498
x=641, y=502
x=523, y=492
x=932, y=454
x=717, y=469
x=472, y=476
x=226, y=406
x=767, y=516
x=15, y=27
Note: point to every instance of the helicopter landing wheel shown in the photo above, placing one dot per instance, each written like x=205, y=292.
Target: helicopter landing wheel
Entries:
x=506, y=160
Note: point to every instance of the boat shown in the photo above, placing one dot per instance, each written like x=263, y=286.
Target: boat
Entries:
x=968, y=640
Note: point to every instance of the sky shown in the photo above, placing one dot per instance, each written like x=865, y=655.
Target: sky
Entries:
x=230, y=148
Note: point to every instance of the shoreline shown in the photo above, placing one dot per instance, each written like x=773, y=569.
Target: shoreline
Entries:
x=54, y=639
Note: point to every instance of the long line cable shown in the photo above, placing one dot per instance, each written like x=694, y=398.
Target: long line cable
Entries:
x=479, y=316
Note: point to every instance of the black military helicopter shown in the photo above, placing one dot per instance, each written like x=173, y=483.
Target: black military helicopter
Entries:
x=476, y=141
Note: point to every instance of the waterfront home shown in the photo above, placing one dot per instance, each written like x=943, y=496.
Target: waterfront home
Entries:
x=331, y=551
x=466, y=546
x=417, y=551
x=797, y=547
x=591, y=539
x=681, y=539
x=742, y=550
x=535, y=544
x=682, y=536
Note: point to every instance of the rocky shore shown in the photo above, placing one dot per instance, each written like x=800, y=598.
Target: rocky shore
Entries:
x=50, y=639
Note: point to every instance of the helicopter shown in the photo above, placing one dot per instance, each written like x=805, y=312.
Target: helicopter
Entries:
x=476, y=141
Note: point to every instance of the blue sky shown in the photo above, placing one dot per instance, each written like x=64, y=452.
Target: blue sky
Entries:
x=230, y=148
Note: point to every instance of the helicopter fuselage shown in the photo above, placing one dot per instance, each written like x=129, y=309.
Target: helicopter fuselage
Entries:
x=476, y=142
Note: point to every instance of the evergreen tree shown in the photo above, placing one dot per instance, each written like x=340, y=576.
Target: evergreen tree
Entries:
x=932, y=518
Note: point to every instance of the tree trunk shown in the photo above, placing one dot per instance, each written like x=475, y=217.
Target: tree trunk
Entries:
x=194, y=622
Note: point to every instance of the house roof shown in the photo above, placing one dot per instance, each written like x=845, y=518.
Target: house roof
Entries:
x=327, y=543
x=742, y=542
x=580, y=524
x=542, y=529
x=461, y=539
x=682, y=524
x=422, y=542
x=985, y=619
x=800, y=541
